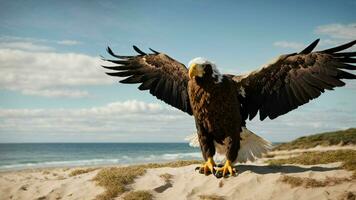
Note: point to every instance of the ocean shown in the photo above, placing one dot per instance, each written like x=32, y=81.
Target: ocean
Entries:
x=39, y=155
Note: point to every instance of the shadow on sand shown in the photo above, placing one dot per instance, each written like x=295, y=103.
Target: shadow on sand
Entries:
x=280, y=169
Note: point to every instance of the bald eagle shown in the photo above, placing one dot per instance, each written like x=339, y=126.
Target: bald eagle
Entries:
x=222, y=103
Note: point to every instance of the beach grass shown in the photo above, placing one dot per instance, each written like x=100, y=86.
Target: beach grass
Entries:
x=166, y=177
x=312, y=183
x=81, y=171
x=138, y=195
x=211, y=197
x=115, y=180
x=344, y=137
x=347, y=157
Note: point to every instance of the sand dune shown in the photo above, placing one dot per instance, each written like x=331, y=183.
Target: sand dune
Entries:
x=254, y=181
x=47, y=184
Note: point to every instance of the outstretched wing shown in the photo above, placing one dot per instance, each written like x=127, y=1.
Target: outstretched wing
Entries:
x=293, y=80
x=163, y=76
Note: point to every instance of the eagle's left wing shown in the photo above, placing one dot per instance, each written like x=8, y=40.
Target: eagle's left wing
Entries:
x=293, y=80
x=165, y=78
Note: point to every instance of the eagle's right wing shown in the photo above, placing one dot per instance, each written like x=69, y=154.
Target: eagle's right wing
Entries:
x=163, y=76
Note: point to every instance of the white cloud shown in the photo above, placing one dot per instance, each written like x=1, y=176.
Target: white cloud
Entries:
x=128, y=119
x=56, y=93
x=338, y=31
x=7, y=38
x=49, y=74
x=289, y=45
x=31, y=67
x=37, y=41
x=146, y=122
x=335, y=34
x=68, y=42
x=27, y=46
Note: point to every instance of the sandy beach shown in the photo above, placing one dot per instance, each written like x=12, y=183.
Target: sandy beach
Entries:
x=256, y=180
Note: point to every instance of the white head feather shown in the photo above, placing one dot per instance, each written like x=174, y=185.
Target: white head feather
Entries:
x=201, y=61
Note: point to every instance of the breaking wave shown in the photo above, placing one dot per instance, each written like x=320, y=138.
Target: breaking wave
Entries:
x=123, y=160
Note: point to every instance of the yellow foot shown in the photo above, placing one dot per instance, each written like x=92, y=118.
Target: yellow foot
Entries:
x=226, y=170
x=208, y=167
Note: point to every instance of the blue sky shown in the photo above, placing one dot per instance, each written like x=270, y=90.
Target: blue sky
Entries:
x=53, y=90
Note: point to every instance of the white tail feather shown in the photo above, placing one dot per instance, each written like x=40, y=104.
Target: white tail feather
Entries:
x=252, y=146
x=193, y=140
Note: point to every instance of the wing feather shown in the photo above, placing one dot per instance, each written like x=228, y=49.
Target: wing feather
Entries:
x=163, y=76
x=293, y=80
x=146, y=85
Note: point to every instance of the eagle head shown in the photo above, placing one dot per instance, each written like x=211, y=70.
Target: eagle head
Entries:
x=201, y=67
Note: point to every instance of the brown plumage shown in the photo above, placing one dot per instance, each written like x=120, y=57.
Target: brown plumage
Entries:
x=293, y=80
x=222, y=103
x=164, y=77
x=216, y=109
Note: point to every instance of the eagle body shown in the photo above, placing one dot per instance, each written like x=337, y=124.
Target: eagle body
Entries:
x=216, y=122
x=222, y=103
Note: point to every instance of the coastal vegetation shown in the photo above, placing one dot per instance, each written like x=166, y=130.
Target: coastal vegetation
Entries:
x=81, y=171
x=116, y=180
x=343, y=137
x=347, y=157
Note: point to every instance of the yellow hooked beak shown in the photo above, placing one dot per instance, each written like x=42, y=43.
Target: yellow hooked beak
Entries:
x=196, y=70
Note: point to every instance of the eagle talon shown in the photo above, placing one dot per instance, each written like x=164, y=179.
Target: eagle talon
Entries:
x=207, y=168
x=226, y=170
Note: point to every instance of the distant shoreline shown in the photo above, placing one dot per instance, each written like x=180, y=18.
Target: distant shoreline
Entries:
x=1, y=143
x=43, y=155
